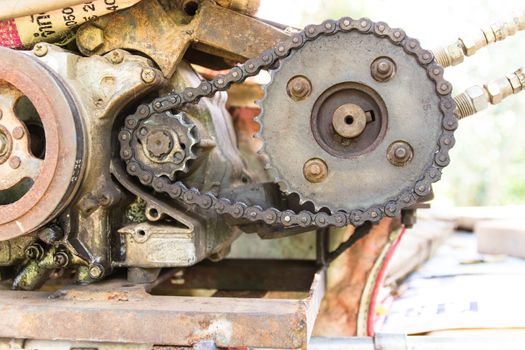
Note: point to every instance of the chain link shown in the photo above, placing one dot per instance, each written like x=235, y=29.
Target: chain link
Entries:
x=268, y=61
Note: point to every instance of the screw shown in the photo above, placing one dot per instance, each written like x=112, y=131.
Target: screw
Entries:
x=40, y=50
x=383, y=69
x=96, y=271
x=116, y=57
x=315, y=170
x=14, y=162
x=400, y=153
x=299, y=88
x=18, y=132
x=34, y=252
x=61, y=259
x=148, y=75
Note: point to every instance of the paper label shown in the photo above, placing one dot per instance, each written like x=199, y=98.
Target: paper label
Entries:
x=55, y=25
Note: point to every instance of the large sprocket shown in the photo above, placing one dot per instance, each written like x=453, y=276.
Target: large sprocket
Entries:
x=336, y=77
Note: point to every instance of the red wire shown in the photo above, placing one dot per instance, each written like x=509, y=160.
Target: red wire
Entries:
x=372, y=310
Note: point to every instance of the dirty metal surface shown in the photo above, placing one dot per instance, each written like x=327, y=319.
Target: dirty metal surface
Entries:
x=55, y=176
x=212, y=29
x=123, y=313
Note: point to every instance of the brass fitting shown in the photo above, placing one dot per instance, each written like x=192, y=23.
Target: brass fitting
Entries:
x=477, y=98
x=468, y=45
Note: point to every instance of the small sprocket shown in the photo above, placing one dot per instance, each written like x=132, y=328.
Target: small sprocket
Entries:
x=166, y=143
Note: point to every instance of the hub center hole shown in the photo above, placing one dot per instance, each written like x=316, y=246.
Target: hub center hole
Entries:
x=349, y=120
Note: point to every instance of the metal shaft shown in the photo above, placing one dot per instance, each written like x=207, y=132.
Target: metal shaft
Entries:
x=468, y=45
x=477, y=98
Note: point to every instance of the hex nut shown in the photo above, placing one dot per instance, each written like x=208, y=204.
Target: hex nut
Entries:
x=383, y=69
x=496, y=94
x=400, y=153
x=315, y=170
x=515, y=83
x=455, y=53
x=90, y=37
x=298, y=88
x=472, y=43
x=477, y=97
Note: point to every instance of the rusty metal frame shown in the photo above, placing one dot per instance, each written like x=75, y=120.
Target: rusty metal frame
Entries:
x=214, y=30
x=118, y=312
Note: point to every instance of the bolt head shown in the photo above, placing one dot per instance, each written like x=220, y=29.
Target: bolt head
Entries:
x=40, y=50
x=383, y=69
x=148, y=75
x=18, y=132
x=116, y=56
x=315, y=170
x=34, y=252
x=90, y=38
x=96, y=271
x=61, y=259
x=400, y=153
x=299, y=88
x=14, y=162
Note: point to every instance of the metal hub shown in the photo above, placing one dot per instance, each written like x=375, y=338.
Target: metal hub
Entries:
x=348, y=118
x=166, y=143
x=35, y=183
x=159, y=143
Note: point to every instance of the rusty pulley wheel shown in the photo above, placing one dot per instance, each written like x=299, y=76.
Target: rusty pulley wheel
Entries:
x=41, y=145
